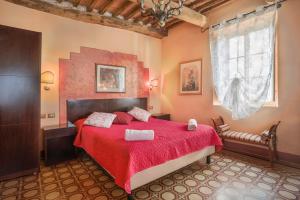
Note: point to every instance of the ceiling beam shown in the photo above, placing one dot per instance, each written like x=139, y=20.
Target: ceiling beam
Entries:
x=203, y=7
x=148, y=20
x=197, y=3
x=93, y=5
x=90, y=17
x=139, y=17
x=208, y=4
x=122, y=7
x=105, y=6
x=217, y=4
x=172, y=23
x=132, y=12
x=187, y=15
x=76, y=3
x=84, y=2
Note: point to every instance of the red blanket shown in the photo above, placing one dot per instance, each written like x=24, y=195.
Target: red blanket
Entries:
x=123, y=159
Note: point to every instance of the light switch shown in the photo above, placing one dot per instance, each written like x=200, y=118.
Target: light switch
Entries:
x=51, y=115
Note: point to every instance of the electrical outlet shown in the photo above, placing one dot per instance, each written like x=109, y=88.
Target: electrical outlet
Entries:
x=51, y=115
x=43, y=116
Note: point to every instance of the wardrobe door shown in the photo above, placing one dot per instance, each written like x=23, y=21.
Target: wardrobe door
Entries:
x=20, y=55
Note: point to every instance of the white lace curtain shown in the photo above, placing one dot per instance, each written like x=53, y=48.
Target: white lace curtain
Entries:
x=242, y=55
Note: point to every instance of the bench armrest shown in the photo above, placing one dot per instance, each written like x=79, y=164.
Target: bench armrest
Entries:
x=265, y=135
x=223, y=128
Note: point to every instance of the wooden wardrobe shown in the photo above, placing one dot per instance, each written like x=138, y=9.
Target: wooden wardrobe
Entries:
x=20, y=61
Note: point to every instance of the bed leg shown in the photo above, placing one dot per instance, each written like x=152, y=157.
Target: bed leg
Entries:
x=130, y=197
x=208, y=160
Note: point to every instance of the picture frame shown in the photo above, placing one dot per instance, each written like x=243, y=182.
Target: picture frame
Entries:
x=191, y=77
x=110, y=79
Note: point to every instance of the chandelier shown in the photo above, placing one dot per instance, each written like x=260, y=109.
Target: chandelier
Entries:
x=162, y=10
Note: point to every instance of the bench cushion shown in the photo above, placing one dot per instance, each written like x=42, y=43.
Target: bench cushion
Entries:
x=242, y=136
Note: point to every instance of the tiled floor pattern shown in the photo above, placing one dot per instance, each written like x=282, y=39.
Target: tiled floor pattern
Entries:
x=230, y=176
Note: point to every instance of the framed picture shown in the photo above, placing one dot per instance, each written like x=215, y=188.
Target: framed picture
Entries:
x=191, y=77
x=110, y=78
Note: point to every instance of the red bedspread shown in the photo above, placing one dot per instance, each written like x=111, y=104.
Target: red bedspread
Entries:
x=123, y=159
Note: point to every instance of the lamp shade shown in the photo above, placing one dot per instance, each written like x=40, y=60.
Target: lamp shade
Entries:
x=47, y=77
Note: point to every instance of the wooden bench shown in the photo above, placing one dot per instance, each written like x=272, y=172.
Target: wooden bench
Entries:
x=267, y=138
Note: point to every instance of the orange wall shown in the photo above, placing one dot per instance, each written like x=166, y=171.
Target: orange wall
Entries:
x=60, y=36
x=187, y=42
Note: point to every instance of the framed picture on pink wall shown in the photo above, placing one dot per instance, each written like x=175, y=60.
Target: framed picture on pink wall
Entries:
x=110, y=78
x=191, y=77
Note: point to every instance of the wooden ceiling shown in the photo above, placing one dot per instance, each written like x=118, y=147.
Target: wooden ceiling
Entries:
x=124, y=14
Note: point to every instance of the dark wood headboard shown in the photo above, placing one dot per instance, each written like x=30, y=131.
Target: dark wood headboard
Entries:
x=81, y=108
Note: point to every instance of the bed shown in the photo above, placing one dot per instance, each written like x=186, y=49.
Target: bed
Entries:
x=133, y=164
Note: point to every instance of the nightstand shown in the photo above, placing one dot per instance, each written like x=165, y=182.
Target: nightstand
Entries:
x=58, y=143
x=162, y=116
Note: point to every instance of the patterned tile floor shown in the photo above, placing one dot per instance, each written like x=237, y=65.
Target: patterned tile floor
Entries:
x=230, y=176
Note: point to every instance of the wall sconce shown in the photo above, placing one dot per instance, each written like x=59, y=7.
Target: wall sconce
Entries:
x=47, y=77
x=152, y=83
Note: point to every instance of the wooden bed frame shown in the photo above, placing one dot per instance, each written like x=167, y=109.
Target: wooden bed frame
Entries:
x=81, y=108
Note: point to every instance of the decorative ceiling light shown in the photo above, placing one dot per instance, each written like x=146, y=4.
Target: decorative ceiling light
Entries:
x=162, y=10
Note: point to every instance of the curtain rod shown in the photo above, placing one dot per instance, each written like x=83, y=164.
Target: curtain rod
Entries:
x=278, y=3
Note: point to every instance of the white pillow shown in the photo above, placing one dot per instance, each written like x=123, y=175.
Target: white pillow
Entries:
x=100, y=119
x=140, y=114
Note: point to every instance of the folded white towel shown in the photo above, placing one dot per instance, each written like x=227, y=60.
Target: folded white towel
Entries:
x=138, y=135
x=192, y=125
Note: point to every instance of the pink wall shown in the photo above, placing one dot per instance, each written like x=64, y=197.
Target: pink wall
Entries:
x=187, y=42
x=77, y=76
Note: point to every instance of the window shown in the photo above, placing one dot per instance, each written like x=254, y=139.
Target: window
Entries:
x=254, y=44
